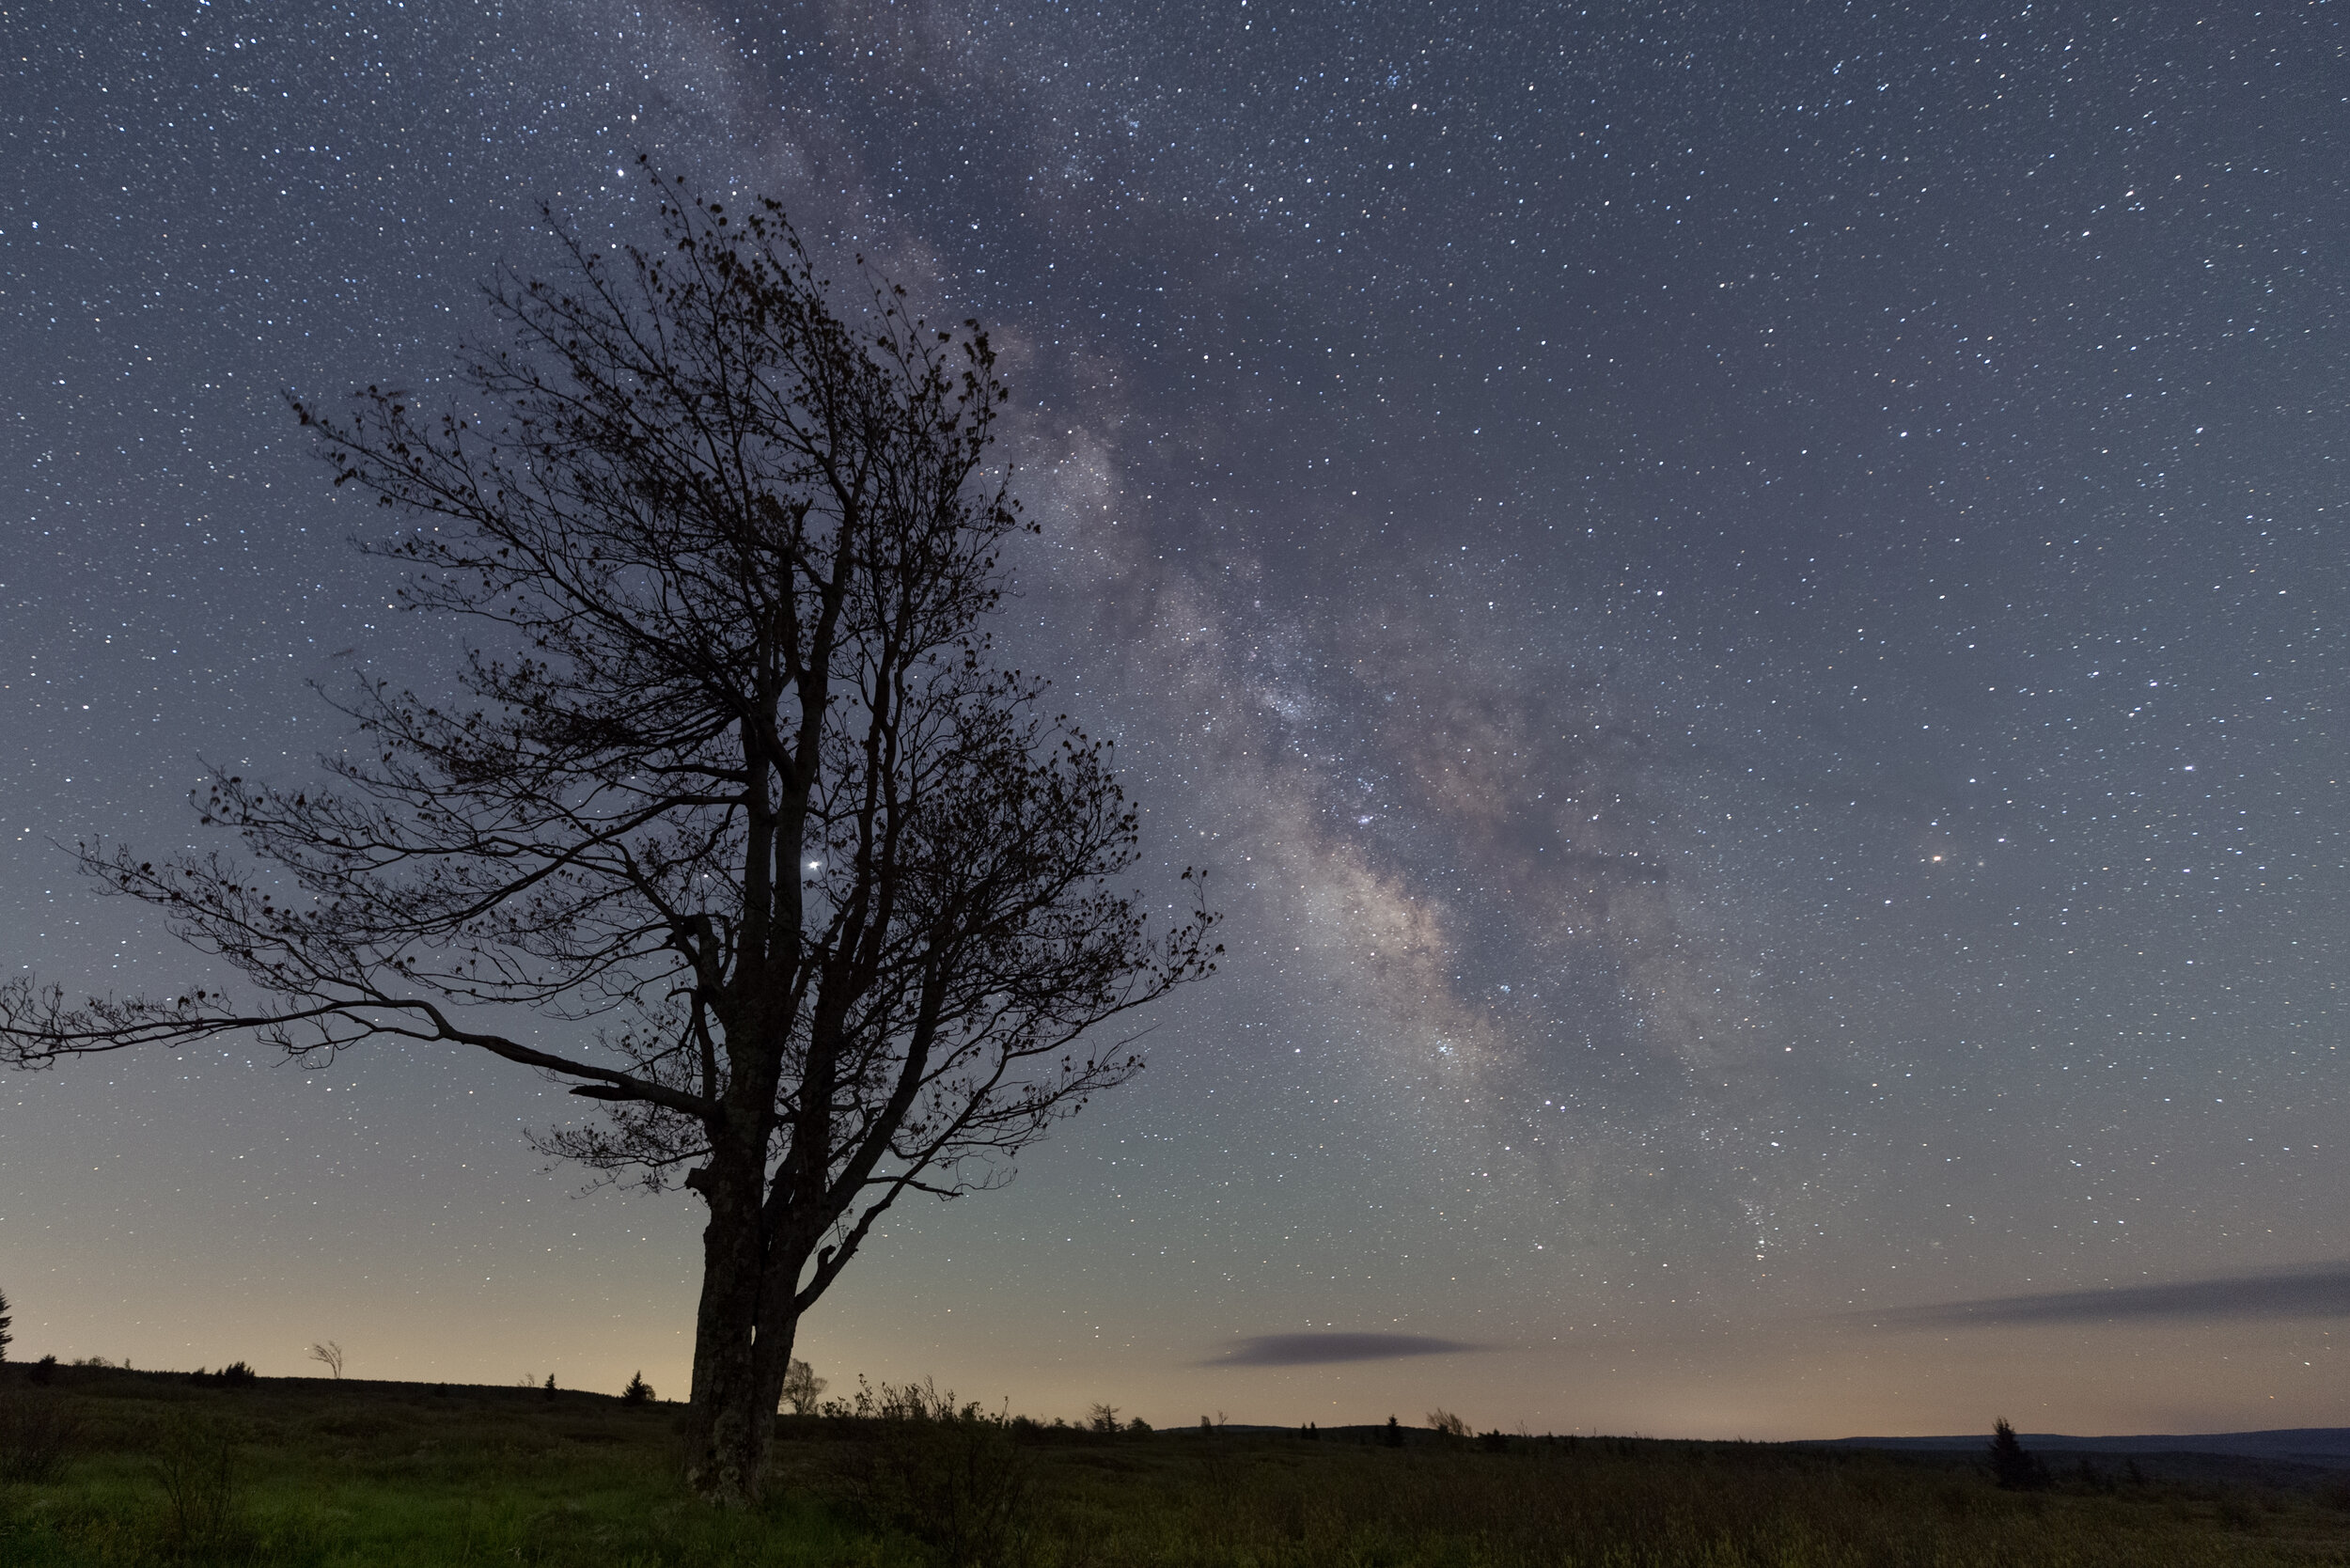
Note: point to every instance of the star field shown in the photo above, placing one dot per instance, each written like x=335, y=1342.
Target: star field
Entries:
x=1747, y=607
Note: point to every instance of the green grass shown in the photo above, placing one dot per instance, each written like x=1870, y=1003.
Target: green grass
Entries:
x=324, y=1475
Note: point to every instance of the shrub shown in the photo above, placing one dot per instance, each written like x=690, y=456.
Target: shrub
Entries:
x=1446, y=1423
x=946, y=1473
x=2236, y=1511
x=637, y=1392
x=954, y=1480
x=44, y=1370
x=37, y=1431
x=1393, y=1436
x=196, y=1461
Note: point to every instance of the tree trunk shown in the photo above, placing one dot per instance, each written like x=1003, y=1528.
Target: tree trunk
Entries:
x=732, y=1417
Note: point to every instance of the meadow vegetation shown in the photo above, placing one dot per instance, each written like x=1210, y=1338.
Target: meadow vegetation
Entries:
x=103, y=1465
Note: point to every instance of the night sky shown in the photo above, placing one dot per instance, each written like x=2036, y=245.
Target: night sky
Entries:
x=1747, y=603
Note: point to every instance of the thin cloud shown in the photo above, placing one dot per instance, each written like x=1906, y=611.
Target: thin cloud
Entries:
x=2318, y=1293
x=1307, y=1350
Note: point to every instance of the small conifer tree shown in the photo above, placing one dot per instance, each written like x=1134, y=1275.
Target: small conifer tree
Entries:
x=637, y=1392
x=549, y=1385
x=1393, y=1436
x=2014, y=1469
x=6, y=1339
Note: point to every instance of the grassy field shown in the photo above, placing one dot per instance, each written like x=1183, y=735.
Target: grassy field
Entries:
x=299, y=1471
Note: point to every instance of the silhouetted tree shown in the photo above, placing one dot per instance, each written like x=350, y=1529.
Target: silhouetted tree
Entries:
x=803, y=1390
x=1393, y=1436
x=638, y=1391
x=2011, y=1466
x=329, y=1356
x=736, y=796
x=7, y=1319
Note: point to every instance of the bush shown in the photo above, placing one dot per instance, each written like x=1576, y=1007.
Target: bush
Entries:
x=2089, y=1477
x=37, y=1431
x=196, y=1461
x=44, y=1370
x=2236, y=1511
x=947, y=1474
x=961, y=1486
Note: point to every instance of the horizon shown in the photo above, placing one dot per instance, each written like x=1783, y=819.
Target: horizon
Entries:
x=214, y=1377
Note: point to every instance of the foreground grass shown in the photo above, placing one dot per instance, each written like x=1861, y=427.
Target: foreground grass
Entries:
x=323, y=1475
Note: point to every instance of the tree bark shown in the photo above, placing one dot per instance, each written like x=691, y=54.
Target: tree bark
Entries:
x=732, y=1419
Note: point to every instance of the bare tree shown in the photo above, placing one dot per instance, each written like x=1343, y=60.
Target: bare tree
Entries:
x=805, y=889
x=803, y=1390
x=329, y=1356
